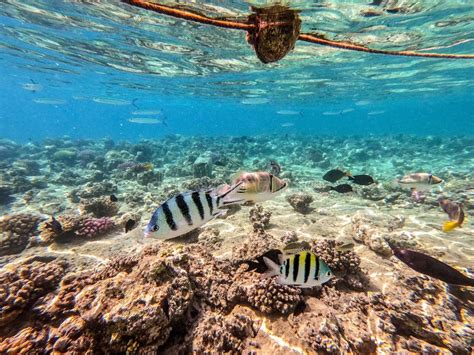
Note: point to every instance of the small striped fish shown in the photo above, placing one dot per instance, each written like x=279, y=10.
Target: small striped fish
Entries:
x=303, y=269
x=186, y=212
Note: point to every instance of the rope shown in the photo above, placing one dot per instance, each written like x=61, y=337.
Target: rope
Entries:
x=312, y=38
x=356, y=47
x=186, y=15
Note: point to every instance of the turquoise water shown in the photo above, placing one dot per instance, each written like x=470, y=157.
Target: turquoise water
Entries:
x=107, y=111
x=75, y=52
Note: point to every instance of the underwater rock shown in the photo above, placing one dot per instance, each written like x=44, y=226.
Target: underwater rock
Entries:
x=95, y=189
x=365, y=232
x=150, y=177
x=65, y=155
x=129, y=216
x=259, y=218
x=16, y=231
x=27, y=167
x=99, y=206
x=203, y=183
x=202, y=166
x=374, y=193
x=210, y=239
x=22, y=285
x=216, y=333
x=300, y=202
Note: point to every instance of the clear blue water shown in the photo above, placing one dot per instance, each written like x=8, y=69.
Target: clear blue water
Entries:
x=198, y=76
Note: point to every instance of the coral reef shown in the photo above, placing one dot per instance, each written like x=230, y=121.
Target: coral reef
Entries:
x=69, y=227
x=259, y=218
x=364, y=232
x=268, y=296
x=99, y=206
x=300, y=202
x=16, y=231
x=22, y=286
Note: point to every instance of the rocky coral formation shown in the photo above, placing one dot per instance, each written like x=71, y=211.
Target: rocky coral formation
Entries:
x=99, y=206
x=365, y=232
x=68, y=227
x=221, y=334
x=259, y=218
x=16, y=231
x=268, y=296
x=24, y=284
x=300, y=202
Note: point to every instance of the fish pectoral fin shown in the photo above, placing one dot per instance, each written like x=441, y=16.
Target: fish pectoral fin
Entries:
x=450, y=225
x=273, y=268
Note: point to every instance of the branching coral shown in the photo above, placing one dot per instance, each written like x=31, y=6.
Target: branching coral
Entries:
x=259, y=218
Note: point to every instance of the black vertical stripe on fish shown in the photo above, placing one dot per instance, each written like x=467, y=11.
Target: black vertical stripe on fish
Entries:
x=271, y=183
x=184, y=209
x=197, y=201
x=287, y=267
x=296, y=266
x=316, y=269
x=209, y=202
x=169, y=216
x=307, y=266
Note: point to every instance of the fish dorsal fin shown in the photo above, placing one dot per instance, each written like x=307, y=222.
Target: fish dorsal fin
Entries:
x=297, y=251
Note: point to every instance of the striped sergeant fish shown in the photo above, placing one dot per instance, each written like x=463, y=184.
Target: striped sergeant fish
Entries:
x=303, y=269
x=186, y=212
x=256, y=187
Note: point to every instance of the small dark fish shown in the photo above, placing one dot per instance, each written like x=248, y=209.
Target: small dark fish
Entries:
x=259, y=265
x=113, y=198
x=334, y=175
x=275, y=168
x=129, y=225
x=362, y=179
x=430, y=266
x=56, y=226
x=342, y=189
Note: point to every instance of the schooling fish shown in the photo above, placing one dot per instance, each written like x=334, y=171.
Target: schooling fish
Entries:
x=362, y=179
x=419, y=181
x=188, y=211
x=335, y=174
x=255, y=187
x=430, y=266
x=303, y=269
x=342, y=189
x=455, y=213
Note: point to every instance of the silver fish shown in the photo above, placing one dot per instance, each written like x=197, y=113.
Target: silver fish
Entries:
x=419, y=181
x=187, y=211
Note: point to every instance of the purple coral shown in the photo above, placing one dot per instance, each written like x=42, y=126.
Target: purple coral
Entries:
x=92, y=227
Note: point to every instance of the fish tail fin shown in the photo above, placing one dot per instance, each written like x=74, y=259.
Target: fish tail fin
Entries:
x=228, y=198
x=273, y=268
x=450, y=225
x=350, y=177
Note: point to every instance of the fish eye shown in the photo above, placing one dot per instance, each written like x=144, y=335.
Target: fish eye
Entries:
x=155, y=228
x=329, y=273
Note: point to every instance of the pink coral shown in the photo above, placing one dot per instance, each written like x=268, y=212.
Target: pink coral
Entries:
x=91, y=227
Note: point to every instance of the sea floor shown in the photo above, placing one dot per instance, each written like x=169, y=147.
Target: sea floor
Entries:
x=377, y=305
